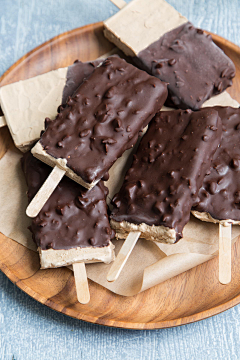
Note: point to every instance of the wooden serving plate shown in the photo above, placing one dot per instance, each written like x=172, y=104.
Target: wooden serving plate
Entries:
x=191, y=296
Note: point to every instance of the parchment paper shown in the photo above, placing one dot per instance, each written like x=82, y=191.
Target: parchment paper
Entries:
x=149, y=264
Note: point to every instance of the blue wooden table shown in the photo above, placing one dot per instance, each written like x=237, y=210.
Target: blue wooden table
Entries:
x=31, y=331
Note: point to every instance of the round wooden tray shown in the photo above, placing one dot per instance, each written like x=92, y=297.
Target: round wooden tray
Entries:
x=186, y=298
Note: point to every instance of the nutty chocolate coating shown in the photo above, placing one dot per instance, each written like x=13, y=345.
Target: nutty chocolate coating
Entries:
x=220, y=193
x=72, y=216
x=168, y=169
x=75, y=75
x=195, y=68
x=104, y=118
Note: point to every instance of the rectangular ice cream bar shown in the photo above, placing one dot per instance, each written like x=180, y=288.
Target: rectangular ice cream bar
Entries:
x=73, y=225
x=167, y=172
x=163, y=43
x=27, y=103
x=219, y=196
x=101, y=121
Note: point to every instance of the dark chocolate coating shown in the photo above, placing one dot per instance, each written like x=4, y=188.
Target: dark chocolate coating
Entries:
x=72, y=216
x=195, y=68
x=75, y=75
x=168, y=169
x=104, y=118
x=220, y=193
x=1, y=113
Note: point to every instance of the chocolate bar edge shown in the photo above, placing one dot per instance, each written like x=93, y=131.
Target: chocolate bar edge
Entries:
x=52, y=258
x=204, y=216
x=159, y=233
x=42, y=155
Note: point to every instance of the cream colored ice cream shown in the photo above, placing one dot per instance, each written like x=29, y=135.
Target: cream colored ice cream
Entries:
x=140, y=23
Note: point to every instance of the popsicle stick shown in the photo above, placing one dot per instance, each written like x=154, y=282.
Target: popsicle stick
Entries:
x=119, y=3
x=225, y=247
x=45, y=192
x=81, y=282
x=2, y=121
x=123, y=255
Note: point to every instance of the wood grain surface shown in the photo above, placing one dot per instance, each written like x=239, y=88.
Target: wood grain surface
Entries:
x=186, y=298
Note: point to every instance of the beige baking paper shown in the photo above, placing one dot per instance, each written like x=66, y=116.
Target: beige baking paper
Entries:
x=13, y=200
x=149, y=264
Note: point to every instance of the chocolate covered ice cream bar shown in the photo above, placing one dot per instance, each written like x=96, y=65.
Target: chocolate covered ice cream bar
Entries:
x=101, y=121
x=162, y=42
x=26, y=103
x=167, y=172
x=219, y=196
x=73, y=225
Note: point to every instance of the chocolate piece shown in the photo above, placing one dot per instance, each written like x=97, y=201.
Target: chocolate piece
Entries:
x=72, y=216
x=75, y=75
x=168, y=169
x=191, y=63
x=102, y=120
x=220, y=193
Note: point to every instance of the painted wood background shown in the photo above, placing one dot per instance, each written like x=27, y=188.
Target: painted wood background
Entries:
x=29, y=330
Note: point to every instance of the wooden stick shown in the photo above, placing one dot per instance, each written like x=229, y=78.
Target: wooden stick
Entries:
x=81, y=282
x=225, y=246
x=2, y=121
x=45, y=192
x=119, y=3
x=123, y=255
